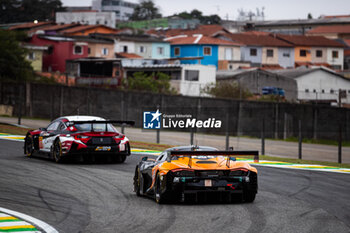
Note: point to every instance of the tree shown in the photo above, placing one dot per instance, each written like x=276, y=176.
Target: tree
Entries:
x=309, y=16
x=13, y=65
x=146, y=10
x=227, y=90
x=155, y=82
x=196, y=14
x=12, y=11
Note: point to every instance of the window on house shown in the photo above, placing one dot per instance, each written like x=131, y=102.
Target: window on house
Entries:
x=335, y=54
x=302, y=53
x=89, y=50
x=125, y=49
x=253, y=52
x=230, y=67
x=314, y=90
x=50, y=50
x=322, y=90
x=106, y=22
x=31, y=56
x=177, y=51
x=269, y=53
x=307, y=90
x=332, y=91
x=191, y=75
x=78, y=50
x=97, y=22
x=286, y=54
x=105, y=51
x=160, y=50
x=207, y=51
x=319, y=53
x=142, y=49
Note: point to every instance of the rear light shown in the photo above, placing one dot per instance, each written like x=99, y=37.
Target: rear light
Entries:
x=239, y=172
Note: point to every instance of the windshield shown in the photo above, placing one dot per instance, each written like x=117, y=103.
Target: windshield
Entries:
x=95, y=127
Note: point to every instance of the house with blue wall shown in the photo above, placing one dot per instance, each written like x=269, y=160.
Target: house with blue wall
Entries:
x=198, y=49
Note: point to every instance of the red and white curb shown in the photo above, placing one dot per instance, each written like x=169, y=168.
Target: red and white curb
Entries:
x=13, y=221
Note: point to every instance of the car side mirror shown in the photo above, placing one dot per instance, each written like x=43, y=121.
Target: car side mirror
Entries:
x=144, y=158
x=43, y=129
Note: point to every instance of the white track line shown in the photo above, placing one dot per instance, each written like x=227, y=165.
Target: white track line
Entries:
x=44, y=226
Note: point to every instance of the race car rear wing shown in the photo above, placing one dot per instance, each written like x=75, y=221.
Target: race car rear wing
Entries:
x=228, y=154
x=103, y=122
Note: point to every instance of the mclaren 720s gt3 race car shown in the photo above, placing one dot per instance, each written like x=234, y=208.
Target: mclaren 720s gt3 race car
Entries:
x=79, y=136
x=200, y=174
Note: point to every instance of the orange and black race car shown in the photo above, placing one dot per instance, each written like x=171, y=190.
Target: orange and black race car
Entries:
x=197, y=174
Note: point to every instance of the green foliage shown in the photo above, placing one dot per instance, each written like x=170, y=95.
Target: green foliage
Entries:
x=196, y=14
x=156, y=83
x=13, y=65
x=227, y=90
x=272, y=98
x=12, y=11
x=146, y=10
x=309, y=16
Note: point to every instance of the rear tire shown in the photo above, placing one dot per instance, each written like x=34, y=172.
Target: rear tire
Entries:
x=57, y=151
x=28, y=146
x=137, y=182
x=158, y=196
x=249, y=196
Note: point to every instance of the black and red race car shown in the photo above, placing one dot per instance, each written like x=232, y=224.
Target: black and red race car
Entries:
x=79, y=136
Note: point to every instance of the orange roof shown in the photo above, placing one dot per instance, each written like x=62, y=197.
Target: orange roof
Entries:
x=128, y=55
x=56, y=27
x=335, y=16
x=83, y=28
x=314, y=41
x=207, y=30
x=257, y=33
x=347, y=53
x=257, y=39
x=200, y=40
x=29, y=25
x=330, y=29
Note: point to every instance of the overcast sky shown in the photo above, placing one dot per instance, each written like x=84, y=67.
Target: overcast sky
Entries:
x=274, y=9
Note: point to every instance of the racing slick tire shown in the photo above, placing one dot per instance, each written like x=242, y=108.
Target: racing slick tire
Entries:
x=57, y=151
x=249, y=196
x=138, y=182
x=28, y=146
x=158, y=196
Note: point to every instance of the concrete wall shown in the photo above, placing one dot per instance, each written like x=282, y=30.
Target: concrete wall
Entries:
x=339, y=61
x=96, y=50
x=320, y=85
x=245, y=117
x=235, y=53
x=316, y=59
x=270, y=60
x=37, y=59
x=147, y=49
x=284, y=60
x=245, y=54
x=166, y=50
x=91, y=18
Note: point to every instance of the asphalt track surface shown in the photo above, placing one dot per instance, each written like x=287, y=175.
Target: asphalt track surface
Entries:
x=98, y=198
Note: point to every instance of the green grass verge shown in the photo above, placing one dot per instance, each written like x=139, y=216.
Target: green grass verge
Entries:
x=11, y=129
x=302, y=161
